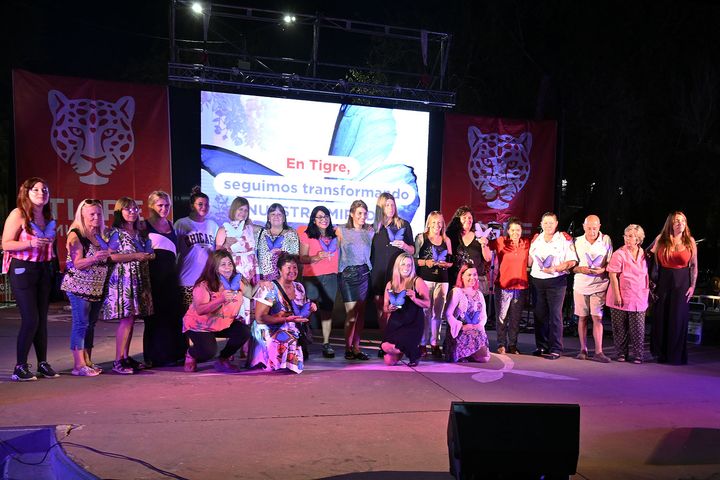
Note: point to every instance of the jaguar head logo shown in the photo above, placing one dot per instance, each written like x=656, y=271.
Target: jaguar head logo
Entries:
x=93, y=136
x=499, y=165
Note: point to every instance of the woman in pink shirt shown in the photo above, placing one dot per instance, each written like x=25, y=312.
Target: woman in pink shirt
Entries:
x=27, y=243
x=319, y=253
x=627, y=296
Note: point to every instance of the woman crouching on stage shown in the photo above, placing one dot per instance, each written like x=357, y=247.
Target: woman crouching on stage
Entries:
x=406, y=295
x=84, y=282
x=279, y=308
x=213, y=313
x=466, y=318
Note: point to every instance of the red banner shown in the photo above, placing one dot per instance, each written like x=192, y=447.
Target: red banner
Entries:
x=501, y=168
x=90, y=139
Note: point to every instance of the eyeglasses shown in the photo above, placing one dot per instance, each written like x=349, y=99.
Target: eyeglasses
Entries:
x=321, y=217
x=91, y=201
x=131, y=209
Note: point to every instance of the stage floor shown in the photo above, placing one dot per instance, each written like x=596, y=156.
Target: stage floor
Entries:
x=358, y=420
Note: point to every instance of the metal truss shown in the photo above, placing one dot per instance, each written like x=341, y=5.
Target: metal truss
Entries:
x=220, y=63
x=339, y=90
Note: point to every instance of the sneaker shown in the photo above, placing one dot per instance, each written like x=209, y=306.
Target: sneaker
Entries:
x=119, y=366
x=22, y=373
x=134, y=364
x=601, y=357
x=45, y=370
x=85, y=371
x=328, y=351
x=583, y=355
x=552, y=356
x=514, y=351
x=95, y=367
x=190, y=363
x=501, y=350
x=223, y=365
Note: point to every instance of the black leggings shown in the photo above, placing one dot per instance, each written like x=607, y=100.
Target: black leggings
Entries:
x=31, y=283
x=205, y=344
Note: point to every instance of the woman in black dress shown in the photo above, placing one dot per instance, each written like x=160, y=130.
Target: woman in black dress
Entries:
x=393, y=236
x=163, y=341
x=466, y=247
x=406, y=295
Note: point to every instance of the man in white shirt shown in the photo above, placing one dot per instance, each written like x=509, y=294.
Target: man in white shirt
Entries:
x=591, y=283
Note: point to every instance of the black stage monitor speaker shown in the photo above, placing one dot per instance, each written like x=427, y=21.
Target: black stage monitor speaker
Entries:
x=513, y=440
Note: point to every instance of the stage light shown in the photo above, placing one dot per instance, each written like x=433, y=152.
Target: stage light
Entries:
x=197, y=7
x=288, y=19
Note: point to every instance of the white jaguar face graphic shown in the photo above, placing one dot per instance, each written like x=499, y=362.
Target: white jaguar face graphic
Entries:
x=93, y=136
x=499, y=165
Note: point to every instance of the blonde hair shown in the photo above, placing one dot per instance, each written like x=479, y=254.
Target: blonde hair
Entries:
x=79, y=222
x=639, y=232
x=397, y=282
x=431, y=215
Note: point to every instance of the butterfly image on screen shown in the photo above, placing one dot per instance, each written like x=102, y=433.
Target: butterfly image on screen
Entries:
x=545, y=262
x=301, y=310
x=233, y=284
x=144, y=246
x=395, y=235
x=482, y=231
x=472, y=318
x=273, y=244
x=439, y=256
x=48, y=232
x=329, y=247
x=397, y=299
x=113, y=242
x=594, y=262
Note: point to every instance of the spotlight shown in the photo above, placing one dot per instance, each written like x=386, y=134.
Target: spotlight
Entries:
x=197, y=7
x=289, y=19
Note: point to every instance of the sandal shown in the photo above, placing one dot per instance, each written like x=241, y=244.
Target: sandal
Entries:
x=583, y=355
x=620, y=358
x=349, y=355
x=360, y=355
x=637, y=361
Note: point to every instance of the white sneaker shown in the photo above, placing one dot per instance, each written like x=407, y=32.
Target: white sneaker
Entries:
x=85, y=371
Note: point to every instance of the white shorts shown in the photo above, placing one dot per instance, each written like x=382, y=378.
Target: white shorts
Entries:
x=592, y=304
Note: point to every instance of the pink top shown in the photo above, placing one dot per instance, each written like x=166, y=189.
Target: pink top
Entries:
x=42, y=254
x=632, y=279
x=215, y=321
x=325, y=266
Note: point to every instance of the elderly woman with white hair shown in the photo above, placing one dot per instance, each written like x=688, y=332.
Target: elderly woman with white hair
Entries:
x=627, y=296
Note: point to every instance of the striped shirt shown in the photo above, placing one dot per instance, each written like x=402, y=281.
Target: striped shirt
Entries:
x=32, y=254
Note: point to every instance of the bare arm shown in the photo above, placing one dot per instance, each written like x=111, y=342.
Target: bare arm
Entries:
x=77, y=254
x=11, y=233
x=205, y=304
x=615, y=285
x=693, y=270
x=422, y=299
x=220, y=238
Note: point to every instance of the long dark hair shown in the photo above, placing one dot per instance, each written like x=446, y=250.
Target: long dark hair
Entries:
x=209, y=273
x=25, y=205
x=665, y=239
x=196, y=193
x=313, y=231
x=354, y=206
x=118, y=220
x=454, y=228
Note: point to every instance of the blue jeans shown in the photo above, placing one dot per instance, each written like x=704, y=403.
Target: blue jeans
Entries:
x=84, y=317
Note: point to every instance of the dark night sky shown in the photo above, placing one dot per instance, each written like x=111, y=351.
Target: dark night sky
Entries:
x=634, y=85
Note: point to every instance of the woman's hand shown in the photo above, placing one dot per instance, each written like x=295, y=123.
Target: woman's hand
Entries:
x=429, y=262
x=39, y=242
x=690, y=293
x=313, y=307
x=618, y=299
x=444, y=264
x=101, y=256
x=229, y=296
x=398, y=244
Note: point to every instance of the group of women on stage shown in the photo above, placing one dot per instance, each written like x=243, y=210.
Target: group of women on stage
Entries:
x=257, y=285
